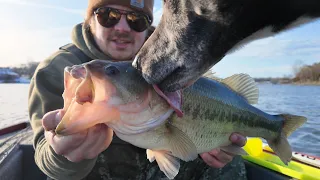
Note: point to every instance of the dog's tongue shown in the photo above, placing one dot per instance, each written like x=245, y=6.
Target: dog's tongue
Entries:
x=173, y=98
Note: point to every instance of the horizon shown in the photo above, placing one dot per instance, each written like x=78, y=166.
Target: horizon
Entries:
x=33, y=30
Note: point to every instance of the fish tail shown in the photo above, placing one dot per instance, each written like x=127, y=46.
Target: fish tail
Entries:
x=291, y=123
x=280, y=145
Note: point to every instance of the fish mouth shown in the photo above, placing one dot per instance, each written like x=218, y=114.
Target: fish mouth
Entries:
x=173, y=98
x=77, y=71
x=85, y=104
x=93, y=100
x=76, y=96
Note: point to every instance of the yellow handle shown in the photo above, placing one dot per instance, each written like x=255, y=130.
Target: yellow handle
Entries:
x=253, y=146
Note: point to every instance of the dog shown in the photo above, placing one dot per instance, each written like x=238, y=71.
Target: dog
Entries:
x=194, y=35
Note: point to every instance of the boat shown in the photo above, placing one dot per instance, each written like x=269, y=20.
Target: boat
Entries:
x=17, y=157
x=13, y=128
x=302, y=166
x=17, y=160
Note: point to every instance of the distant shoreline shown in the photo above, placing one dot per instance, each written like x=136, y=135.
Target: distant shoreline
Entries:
x=14, y=82
x=314, y=83
x=19, y=80
x=311, y=83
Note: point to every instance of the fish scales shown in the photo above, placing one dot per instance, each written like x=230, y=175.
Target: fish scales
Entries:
x=201, y=103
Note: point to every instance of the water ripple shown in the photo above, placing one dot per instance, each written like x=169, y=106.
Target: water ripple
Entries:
x=297, y=100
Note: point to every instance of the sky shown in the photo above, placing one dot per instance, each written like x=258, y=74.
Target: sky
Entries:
x=32, y=30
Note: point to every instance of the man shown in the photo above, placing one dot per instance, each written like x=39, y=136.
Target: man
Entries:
x=116, y=30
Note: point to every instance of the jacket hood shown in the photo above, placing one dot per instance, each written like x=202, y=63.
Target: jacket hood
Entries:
x=83, y=39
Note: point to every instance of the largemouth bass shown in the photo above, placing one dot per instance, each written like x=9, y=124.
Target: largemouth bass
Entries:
x=173, y=126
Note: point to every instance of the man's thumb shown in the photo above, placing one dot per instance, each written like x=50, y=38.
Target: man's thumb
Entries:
x=51, y=119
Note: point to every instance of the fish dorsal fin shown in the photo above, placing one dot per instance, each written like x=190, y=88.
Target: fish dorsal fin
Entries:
x=210, y=74
x=244, y=85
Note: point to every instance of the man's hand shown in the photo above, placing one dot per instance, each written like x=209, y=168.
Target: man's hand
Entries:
x=217, y=158
x=76, y=147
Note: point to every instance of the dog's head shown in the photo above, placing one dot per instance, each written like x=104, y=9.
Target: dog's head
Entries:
x=194, y=35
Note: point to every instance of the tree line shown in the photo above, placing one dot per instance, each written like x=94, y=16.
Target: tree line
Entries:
x=26, y=70
x=301, y=73
x=308, y=73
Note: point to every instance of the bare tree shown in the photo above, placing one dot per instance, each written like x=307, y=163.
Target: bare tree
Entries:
x=27, y=69
x=316, y=71
x=304, y=73
x=298, y=64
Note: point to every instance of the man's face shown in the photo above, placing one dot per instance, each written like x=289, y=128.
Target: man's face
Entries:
x=119, y=42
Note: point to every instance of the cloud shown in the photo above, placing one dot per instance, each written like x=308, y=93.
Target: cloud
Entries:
x=23, y=45
x=41, y=5
x=304, y=47
x=33, y=38
x=268, y=71
x=258, y=48
x=157, y=13
x=279, y=47
x=224, y=70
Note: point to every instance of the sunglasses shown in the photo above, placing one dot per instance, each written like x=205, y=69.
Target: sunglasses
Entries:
x=109, y=17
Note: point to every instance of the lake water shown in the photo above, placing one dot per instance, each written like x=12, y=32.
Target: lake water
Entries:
x=13, y=104
x=297, y=100
x=274, y=99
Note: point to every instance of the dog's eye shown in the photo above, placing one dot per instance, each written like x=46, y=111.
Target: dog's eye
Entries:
x=111, y=70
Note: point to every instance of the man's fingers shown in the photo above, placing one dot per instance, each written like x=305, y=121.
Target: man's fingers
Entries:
x=81, y=152
x=101, y=144
x=222, y=157
x=217, y=158
x=64, y=144
x=214, y=152
x=49, y=136
x=238, y=139
x=212, y=161
x=51, y=119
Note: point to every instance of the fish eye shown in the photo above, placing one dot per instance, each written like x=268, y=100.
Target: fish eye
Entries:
x=111, y=70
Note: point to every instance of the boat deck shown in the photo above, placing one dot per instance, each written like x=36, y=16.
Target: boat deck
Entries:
x=8, y=141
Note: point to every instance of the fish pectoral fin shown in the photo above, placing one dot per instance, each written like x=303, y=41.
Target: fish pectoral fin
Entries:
x=234, y=149
x=181, y=145
x=244, y=85
x=150, y=155
x=167, y=163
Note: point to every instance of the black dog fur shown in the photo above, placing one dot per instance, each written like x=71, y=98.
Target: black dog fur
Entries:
x=194, y=35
